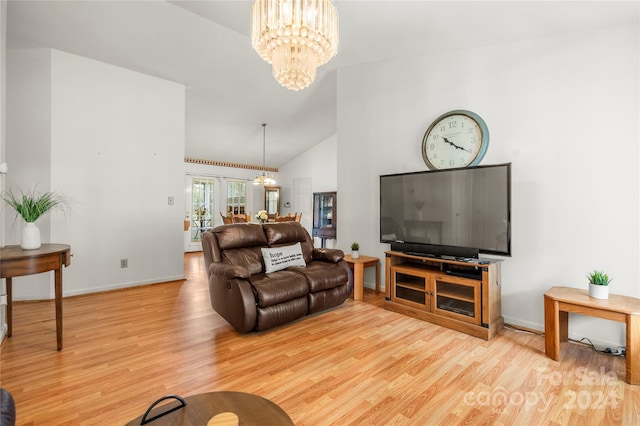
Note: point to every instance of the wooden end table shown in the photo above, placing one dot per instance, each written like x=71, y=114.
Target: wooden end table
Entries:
x=559, y=301
x=16, y=262
x=358, y=265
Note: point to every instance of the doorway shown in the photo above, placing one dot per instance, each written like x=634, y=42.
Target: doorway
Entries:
x=201, y=202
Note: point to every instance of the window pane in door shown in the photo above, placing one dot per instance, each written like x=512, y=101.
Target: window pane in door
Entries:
x=236, y=197
x=202, y=208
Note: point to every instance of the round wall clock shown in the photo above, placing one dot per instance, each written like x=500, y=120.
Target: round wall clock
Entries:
x=456, y=139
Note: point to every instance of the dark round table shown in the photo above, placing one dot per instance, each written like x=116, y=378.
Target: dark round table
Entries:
x=250, y=409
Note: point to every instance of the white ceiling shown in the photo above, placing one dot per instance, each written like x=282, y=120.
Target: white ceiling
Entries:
x=205, y=46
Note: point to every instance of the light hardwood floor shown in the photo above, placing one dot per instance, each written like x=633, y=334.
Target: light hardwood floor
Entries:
x=356, y=364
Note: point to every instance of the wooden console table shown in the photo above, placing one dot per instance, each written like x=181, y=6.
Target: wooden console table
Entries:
x=559, y=301
x=358, y=266
x=16, y=262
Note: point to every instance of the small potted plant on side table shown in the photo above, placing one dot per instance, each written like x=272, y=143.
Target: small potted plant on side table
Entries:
x=599, y=285
x=354, y=250
x=30, y=206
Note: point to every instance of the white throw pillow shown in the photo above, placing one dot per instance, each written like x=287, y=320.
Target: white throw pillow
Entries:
x=278, y=258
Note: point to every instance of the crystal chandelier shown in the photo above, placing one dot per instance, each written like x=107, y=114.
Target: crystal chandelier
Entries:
x=295, y=37
x=263, y=178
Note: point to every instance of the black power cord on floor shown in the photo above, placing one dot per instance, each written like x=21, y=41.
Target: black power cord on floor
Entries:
x=608, y=351
x=621, y=351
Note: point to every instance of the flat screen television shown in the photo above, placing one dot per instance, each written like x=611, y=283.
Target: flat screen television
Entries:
x=452, y=212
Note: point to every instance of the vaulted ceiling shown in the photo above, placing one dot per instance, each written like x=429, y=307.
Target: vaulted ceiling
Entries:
x=205, y=45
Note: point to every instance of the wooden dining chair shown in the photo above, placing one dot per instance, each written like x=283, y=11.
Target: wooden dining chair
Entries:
x=287, y=218
x=242, y=218
x=298, y=217
x=226, y=220
x=238, y=218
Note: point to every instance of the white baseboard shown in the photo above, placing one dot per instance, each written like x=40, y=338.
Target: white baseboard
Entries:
x=573, y=336
x=123, y=285
x=110, y=287
x=526, y=324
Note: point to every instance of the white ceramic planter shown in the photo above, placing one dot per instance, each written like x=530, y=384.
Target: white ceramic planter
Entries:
x=355, y=254
x=598, y=291
x=30, y=237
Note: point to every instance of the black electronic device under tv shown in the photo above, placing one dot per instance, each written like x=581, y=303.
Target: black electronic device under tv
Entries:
x=451, y=212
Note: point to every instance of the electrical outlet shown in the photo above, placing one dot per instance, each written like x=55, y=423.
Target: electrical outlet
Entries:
x=124, y=263
x=615, y=351
x=171, y=200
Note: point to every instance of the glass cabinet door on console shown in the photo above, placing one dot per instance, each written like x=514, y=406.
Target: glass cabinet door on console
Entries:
x=458, y=298
x=423, y=287
x=324, y=216
x=411, y=287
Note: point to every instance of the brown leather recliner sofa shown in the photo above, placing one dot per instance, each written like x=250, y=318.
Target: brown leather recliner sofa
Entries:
x=7, y=408
x=249, y=298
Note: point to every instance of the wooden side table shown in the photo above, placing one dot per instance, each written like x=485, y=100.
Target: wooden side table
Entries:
x=559, y=301
x=16, y=262
x=199, y=409
x=358, y=265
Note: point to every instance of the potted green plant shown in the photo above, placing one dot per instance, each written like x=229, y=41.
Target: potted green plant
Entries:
x=31, y=206
x=598, y=284
x=354, y=250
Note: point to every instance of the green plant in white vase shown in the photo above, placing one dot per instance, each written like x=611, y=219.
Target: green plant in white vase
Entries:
x=31, y=206
x=598, y=284
x=355, y=247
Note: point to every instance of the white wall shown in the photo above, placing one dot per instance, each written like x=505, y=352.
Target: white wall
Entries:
x=3, y=116
x=112, y=140
x=317, y=164
x=28, y=141
x=3, y=97
x=565, y=111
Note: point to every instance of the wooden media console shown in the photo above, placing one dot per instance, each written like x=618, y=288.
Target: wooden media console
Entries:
x=461, y=295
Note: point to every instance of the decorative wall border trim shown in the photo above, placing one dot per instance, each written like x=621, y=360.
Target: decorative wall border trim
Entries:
x=227, y=164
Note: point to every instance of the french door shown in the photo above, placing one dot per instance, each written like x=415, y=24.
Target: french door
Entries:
x=201, y=194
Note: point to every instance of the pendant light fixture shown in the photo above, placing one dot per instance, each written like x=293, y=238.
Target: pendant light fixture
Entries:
x=295, y=37
x=263, y=178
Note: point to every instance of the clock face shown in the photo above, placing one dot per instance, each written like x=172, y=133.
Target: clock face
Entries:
x=455, y=139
